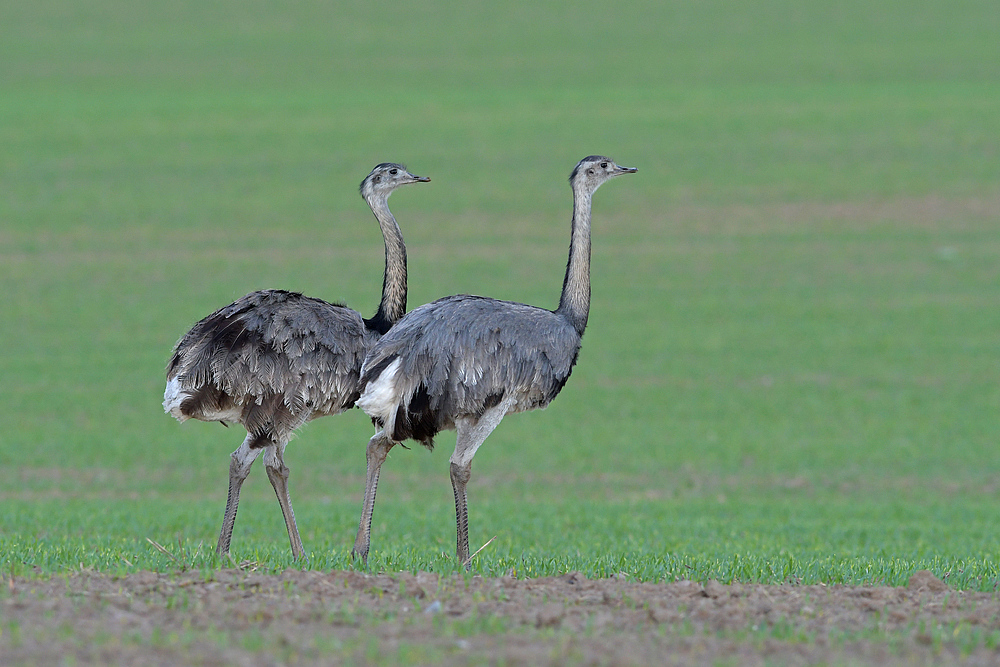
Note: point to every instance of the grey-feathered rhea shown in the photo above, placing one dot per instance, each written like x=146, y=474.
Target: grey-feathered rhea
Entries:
x=274, y=360
x=464, y=362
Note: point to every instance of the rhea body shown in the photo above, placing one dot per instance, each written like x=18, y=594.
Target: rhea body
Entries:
x=274, y=360
x=464, y=362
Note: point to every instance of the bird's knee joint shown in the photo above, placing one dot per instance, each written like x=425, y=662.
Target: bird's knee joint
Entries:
x=239, y=467
x=280, y=469
x=378, y=449
x=461, y=474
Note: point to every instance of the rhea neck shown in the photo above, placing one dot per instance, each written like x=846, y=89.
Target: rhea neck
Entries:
x=393, y=304
x=574, y=304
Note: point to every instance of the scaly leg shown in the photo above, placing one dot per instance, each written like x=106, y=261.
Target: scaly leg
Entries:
x=378, y=449
x=459, y=478
x=239, y=468
x=472, y=432
x=277, y=472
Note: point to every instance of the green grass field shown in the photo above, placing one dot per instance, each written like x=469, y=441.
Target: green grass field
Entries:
x=792, y=370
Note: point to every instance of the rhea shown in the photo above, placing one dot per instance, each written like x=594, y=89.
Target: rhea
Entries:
x=274, y=360
x=464, y=362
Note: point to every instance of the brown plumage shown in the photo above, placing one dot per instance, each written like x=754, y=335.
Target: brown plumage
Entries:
x=273, y=360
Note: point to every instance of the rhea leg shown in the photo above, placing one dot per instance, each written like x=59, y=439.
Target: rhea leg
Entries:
x=378, y=449
x=460, y=476
x=239, y=468
x=277, y=472
x=472, y=432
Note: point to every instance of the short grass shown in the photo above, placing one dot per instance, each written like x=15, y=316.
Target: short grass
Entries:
x=791, y=371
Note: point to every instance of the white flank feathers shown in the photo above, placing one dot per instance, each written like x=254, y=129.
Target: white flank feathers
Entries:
x=174, y=395
x=172, y=398
x=380, y=398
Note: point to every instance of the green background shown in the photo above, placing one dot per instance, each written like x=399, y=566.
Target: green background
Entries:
x=791, y=370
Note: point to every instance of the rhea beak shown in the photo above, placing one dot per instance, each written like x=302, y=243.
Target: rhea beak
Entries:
x=421, y=179
x=626, y=170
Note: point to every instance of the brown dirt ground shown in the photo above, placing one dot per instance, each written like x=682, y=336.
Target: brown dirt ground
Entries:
x=246, y=618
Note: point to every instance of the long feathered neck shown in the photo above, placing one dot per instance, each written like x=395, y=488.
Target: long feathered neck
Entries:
x=393, y=304
x=574, y=304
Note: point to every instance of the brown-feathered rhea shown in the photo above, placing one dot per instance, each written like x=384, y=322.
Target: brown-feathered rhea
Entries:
x=464, y=362
x=273, y=360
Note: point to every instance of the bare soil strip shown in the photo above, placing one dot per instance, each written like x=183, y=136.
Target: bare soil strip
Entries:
x=247, y=618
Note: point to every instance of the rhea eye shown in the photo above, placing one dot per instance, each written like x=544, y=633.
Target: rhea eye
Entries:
x=393, y=171
x=604, y=165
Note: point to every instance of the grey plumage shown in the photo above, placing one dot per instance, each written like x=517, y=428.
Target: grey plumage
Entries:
x=461, y=353
x=270, y=356
x=464, y=362
x=273, y=360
